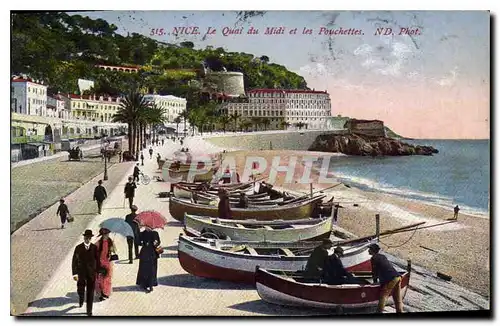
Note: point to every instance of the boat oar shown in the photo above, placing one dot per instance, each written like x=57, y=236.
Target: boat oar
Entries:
x=319, y=190
x=396, y=230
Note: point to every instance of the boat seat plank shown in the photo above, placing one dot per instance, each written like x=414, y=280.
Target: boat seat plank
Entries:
x=288, y=252
x=252, y=251
x=239, y=226
x=267, y=227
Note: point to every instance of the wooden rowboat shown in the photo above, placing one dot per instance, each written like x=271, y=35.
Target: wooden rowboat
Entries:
x=295, y=211
x=252, y=230
x=236, y=261
x=286, y=289
x=191, y=175
x=181, y=191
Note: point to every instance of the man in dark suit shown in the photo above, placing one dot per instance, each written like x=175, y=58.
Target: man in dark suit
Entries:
x=317, y=261
x=133, y=241
x=334, y=272
x=100, y=195
x=84, y=269
x=130, y=191
x=63, y=212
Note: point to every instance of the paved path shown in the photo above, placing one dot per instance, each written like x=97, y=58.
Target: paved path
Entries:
x=178, y=293
x=35, y=187
x=39, y=246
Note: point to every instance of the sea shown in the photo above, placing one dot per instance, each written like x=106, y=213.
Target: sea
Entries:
x=458, y=175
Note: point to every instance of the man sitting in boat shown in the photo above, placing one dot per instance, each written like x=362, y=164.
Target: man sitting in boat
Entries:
x=317, y=261
x=203, y=187
x=243, y=203
x=224, y=205
x=226, y=177
x=335, y=272
x=390, y=280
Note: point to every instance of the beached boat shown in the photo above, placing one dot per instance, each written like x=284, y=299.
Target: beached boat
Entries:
x=236, y=261
x=252, y=230
x=286, y=289
x=296, y=211
x=181, y=191
x=191, y=175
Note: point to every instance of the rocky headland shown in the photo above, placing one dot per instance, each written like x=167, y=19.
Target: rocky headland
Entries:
x=363, y=145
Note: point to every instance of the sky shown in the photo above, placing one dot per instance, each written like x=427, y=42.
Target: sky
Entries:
x=434, y=84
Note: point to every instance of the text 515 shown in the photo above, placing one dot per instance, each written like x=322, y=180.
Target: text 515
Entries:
x=157, y=31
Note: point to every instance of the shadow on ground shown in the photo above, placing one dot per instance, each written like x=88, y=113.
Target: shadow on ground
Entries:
x=50, y=313
x=262, y=307
x=194, y=282
x=71, y=297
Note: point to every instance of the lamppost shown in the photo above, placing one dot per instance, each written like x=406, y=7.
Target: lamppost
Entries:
x=105, y=163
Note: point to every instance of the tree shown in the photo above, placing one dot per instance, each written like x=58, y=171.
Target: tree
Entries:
x=264, y=58
x=266, y=122
x=187, y=44
x=129, y=111
x=235, y=117
x=224, y=120
x=300, y=125
x=177, y=120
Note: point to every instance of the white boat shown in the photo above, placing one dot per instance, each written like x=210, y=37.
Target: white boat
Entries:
x=253, y=230
x=236, y=261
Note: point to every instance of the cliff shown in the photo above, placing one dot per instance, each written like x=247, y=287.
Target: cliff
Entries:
x=355, y=144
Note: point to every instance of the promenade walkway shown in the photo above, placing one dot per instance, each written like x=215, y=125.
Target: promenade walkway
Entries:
x=178, y=293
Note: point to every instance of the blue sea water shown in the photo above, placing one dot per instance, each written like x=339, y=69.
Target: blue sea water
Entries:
x=458, y=174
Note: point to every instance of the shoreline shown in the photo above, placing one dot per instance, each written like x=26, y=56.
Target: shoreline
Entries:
x=451, y=247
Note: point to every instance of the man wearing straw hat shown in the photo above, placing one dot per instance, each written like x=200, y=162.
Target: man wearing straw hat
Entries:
x=84, y=268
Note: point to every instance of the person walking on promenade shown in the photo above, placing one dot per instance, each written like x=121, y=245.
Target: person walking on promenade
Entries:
x=105, y=247
x=100, y=195
x=137, y=170
x=150, y=152
x=130, y=191
x=133, y=241
x=148, y=260
x=390, y=280
x=455, y=210
x=224, y=205
x=162, y=142
x=62, y=212
x=120, y=156
x=142, y=158
x=158, y=158
x=316, y=263
x=84, y=268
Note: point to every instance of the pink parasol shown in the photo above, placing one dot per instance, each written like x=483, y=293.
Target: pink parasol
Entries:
x=151, y=219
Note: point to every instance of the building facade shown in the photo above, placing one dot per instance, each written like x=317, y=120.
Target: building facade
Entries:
x=56, y=107
x=91, y=107
x=312, y=108
x=172, y=105
x=28, y=97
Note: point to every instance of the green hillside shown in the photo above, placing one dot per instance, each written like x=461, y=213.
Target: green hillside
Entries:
x=59, y=48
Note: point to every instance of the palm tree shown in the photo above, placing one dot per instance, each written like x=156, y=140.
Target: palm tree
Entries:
x=128, y=113
x=285, y=125
x=266, y=122
x=300, y=125
x=256, y=121
x=224, y=120
x=185, y=116
x=177, y=121
x=235, y=117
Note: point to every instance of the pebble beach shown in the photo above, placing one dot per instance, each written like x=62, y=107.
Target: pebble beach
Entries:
x=453, y=248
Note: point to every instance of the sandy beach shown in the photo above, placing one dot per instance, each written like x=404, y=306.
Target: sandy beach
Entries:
x=460, y=249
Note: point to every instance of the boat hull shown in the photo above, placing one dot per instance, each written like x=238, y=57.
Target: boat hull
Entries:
x=192, y=176
x=301, y=210
x=282, y=290
x=320, y=229
x=229, y=266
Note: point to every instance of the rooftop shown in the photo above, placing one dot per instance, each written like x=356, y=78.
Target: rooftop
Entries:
x=290, y=91
x=26, y=80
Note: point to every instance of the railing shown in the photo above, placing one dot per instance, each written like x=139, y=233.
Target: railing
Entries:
x=27, y=139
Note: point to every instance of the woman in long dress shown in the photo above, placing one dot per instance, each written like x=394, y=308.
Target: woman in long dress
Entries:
x=148, y=260
x=105, y=247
